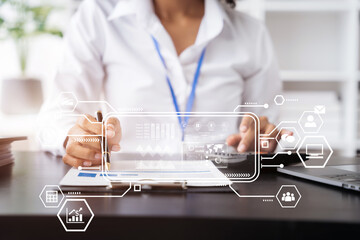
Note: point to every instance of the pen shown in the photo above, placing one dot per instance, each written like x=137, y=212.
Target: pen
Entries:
x=105, y=152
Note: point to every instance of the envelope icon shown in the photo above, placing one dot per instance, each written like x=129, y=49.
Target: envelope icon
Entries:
x=320, y=109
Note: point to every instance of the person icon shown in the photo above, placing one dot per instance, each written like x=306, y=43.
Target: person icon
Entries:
x=283, y=197
x=292, y=197
x=310, y=122
x=288, y=197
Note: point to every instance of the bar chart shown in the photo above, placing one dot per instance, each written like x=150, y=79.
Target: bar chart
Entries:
x=74, y=216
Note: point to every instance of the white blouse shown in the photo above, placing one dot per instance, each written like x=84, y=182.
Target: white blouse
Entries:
x=110, y=55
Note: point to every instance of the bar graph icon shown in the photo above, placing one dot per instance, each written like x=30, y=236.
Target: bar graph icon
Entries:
x=74, y=216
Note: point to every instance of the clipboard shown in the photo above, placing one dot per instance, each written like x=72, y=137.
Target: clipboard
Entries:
x=160, y=189
x=149, y=184
x=93, y=180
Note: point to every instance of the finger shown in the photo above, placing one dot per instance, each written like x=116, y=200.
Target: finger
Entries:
x=264, y=123
x=76, y=162
x=247, y=141
x=285, y=132
x=112, y=127
x=113, y=131
x=78, y=151
x=270, y=132
x=115, y=147
x=233, y=140
x=89, y=124
x=246, y=123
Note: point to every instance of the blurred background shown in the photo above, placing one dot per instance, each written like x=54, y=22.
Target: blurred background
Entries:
x=316, y=42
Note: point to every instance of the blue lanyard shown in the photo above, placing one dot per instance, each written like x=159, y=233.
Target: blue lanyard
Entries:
x=189, y=105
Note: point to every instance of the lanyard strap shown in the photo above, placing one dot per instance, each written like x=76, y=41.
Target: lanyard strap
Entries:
x=190, y=102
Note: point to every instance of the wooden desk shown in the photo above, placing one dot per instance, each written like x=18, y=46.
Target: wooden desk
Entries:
x=323, y=210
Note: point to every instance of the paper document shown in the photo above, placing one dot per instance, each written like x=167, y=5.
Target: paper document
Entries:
x=195, y=173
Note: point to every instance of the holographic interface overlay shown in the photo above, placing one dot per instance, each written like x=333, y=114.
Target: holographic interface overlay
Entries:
x=154, y=141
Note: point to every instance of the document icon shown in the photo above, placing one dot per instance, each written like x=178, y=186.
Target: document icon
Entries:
x=320, y=109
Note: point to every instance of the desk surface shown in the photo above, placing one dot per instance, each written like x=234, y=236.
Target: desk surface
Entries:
x=224, y=214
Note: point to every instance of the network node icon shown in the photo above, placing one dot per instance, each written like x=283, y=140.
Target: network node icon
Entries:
x=288, y=196
x=51, y=196
x=310, y=122
x=67, y=101
x=279, y=100
x=75, y=215
x=317, y=151
x=265, y=143
x=137, y=187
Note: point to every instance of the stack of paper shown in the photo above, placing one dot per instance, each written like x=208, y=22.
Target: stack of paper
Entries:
x=6, y=156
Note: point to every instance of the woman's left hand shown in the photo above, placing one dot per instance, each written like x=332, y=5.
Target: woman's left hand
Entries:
x=245, y=140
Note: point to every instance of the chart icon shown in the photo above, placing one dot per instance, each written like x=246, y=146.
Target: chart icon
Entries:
x=75, y=215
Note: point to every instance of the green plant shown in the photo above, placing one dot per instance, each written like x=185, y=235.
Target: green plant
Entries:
x=25, y=21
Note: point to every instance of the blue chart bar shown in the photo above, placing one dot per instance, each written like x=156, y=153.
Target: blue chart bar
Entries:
x=82, y=174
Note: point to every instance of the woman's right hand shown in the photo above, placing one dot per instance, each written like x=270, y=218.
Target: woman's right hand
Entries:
x=83, y=149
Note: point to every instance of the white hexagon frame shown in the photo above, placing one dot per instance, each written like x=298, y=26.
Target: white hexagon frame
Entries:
x=42, y=191
x=317, y=129
x=279, y=141
x=302, y=143
x=297, y=201
x=281, y=102
x=87, y=224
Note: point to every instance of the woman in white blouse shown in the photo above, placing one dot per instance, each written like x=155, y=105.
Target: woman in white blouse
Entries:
x=147, y=53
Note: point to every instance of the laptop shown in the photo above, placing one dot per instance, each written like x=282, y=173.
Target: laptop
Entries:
x=345, y=176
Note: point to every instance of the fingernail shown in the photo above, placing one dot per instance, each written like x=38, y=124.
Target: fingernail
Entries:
x=111, y=127
x=115, y=148
x=242, y=148
x=243, y=128
x=286, y=132
x=110, y=133
x=87, y=164
x=98, y=156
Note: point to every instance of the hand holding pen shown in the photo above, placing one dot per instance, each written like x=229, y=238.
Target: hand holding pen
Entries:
x=83, y=147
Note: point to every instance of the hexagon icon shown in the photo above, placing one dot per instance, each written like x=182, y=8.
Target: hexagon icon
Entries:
x=287, y=141
x=317, y=150
x=310, y=122
x=67, y=101
x=279, y=100
x=75, y=215
x=288, y=196
x=51, y=196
